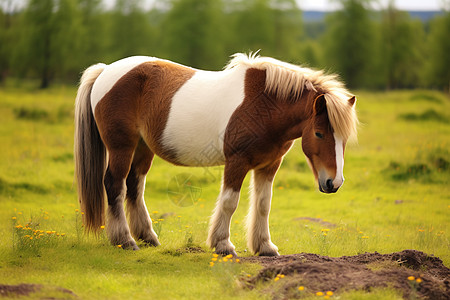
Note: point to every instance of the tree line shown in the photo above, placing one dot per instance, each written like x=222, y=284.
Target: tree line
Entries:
x=54, y=40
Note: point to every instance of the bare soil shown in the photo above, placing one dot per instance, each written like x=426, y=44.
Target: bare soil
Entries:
x=360, y=272
x=25, y=289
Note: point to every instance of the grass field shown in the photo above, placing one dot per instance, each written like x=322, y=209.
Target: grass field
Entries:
x=396, y=196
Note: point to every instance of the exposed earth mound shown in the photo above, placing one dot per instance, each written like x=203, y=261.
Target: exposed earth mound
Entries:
x=414, y=273
x=37, y=291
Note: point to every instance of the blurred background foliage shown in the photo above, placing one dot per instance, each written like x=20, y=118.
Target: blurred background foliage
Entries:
x=54, y=40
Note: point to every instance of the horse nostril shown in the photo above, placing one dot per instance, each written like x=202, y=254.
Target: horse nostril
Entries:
x=330, y=185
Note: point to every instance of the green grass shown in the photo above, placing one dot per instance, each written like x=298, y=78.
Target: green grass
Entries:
x=396, y=196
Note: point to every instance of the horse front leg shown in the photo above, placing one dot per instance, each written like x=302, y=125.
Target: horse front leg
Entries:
x=227, y=202
x=258, y=218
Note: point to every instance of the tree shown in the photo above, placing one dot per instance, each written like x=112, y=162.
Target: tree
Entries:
x=439, y=49
x=50, y=39
x=35, y=53
x=130, y=32
x=66, y=40
x=93, y=31
x=402, y=41
x=193, y=33
x=5, y=41
x=349, y=42
x=254, y=27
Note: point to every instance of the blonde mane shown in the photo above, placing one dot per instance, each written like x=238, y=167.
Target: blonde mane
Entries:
x=287, y=80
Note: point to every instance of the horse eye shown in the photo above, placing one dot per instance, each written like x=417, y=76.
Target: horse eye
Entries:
x=319, y=135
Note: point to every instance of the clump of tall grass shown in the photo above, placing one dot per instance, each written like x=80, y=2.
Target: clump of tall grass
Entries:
x=29, y=235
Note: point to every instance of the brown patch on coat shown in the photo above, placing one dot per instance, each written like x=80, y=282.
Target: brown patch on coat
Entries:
x=138, y=105
x=263, y=128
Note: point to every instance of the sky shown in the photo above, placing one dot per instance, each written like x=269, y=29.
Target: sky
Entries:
x=326, y=5
x=322, y=5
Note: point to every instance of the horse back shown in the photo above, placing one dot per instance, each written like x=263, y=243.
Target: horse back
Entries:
x=135, y=95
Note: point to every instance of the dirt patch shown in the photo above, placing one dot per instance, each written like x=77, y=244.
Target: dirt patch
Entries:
x=361, y=272
x=316, y=220
x=25, y=289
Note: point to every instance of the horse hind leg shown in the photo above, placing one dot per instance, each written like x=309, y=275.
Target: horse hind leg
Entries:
x=116, y=173
x=138, y=216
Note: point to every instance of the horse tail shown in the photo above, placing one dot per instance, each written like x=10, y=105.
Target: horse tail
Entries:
x=89, y=154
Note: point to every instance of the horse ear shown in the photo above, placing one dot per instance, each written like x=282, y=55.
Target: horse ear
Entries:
x=352, y=101
x=320, y=105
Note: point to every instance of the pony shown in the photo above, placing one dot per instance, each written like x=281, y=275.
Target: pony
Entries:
x=245, y=117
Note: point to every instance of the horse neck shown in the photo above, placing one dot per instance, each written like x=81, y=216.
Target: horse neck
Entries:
x=299, y=115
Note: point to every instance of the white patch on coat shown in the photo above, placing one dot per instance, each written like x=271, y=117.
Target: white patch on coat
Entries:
x=339, y=150
x=112, y=73
x=199, y=115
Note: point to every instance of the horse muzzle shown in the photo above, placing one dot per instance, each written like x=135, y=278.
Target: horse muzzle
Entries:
x=328, y=186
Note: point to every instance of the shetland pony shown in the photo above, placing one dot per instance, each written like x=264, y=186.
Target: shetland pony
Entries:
x=245, y=117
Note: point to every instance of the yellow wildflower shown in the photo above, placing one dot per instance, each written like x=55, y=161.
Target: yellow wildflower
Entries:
x=329, y=293
x=365, y=237
x=77, y=210
x=229, y=256
x=119, y=246
x=154, y=212
x=237, y=260
x=325, y=230
x=14, y=218
x=211, y=264
x=277, y=278
x=102, y=227
x=319, y=294
x=214, y=259
x=225, y=259
x=411, y=278
x=301, y=288
x=418, y=280
x=215, y=255
x=19, y=226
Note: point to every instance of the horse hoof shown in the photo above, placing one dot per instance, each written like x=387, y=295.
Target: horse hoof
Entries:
x=151, y=243
x=130, y=246
x=269, y=254
x=226, y=252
